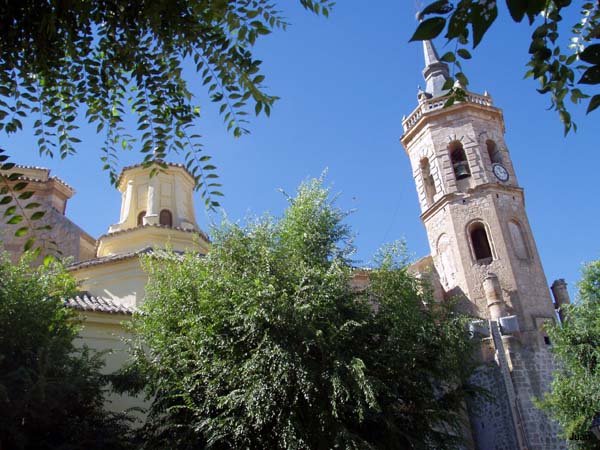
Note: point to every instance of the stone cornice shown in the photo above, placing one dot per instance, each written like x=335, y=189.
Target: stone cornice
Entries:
x=450, y=197
x=157, y=236
x=434, y=108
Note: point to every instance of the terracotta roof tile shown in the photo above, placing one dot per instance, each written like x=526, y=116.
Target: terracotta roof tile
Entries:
x=160, y=161
x=40, y=180
x=121, y=256
x=25, y=166
x=91, y=303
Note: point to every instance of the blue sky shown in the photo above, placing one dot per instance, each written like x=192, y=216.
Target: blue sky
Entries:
x=345, y=83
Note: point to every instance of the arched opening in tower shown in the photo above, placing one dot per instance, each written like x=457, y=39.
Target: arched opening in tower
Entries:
x=493, y=152
x=480, y=242
x=459, y=160
x=140, y=218
x=166, y=218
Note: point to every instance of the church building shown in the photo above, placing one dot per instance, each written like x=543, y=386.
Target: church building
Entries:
x=483, y=254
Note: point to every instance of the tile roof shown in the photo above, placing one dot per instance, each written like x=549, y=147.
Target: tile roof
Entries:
x=159, y=253
x=150, y=163
x=91, y=303
x=39, y=180
x=25, y=166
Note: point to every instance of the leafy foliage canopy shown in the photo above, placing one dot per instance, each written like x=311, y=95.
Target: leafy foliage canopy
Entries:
x=122, y=62
x=574, y=399
x=562, y=72
x=111, y=57
x=269, y=341
x=51, y=393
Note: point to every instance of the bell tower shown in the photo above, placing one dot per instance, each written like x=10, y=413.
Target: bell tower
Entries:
x=482, y=248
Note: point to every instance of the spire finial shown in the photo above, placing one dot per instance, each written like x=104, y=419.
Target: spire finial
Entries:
x=436, y=72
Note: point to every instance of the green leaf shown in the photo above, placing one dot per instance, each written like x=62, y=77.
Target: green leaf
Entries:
x=6, y=200
x=482, y=18
x=462, y=79
x=15, y=220
x=429, y=29
x=20, y=186
x=463, y=53
x=448, y=84
x=534, y=7
x=594, y=103
x=21, y=231
x=438, y=7
x=517, y=9
x=28, y=244
x=577, y=95
x=448, y=57
x=591, y=76
x=25, y=195
x=541, y=31
x=10, y=210
x=37, y=215
x=591, y=54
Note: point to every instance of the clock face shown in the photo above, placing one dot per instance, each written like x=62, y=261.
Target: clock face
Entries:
x=500, y=172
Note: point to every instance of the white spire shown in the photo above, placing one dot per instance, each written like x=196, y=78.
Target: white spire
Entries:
x=436, y=72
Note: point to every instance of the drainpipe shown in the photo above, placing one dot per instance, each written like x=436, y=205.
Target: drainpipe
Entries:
x=497, y=310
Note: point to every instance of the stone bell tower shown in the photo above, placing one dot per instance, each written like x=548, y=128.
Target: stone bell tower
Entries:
x=484, y=253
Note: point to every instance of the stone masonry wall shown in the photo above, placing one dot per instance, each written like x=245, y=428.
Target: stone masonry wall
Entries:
x=72, y=241
x=491, y=422
x=532, y=375
x=52, y=194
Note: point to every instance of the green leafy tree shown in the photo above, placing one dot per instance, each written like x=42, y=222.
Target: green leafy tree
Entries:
x=51, y=393
x=562, y=71
x=267, y=342
x=121, y=65
x=115, y=58
x=575, y=395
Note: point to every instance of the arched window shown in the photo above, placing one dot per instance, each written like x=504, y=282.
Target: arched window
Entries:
x=166, y=218
x=518, y=240
x=482, y=250
x=459, y=161
x=493, y=151
x=140, y=218
x=428, y=182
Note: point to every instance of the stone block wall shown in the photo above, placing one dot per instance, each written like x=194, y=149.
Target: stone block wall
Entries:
x=64, y=235
x=491, y=421
x=532, y=375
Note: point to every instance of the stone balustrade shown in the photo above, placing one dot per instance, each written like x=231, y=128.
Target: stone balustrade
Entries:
x=438, y=103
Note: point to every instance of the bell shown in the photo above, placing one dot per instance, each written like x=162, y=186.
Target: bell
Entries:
x=461, y=169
